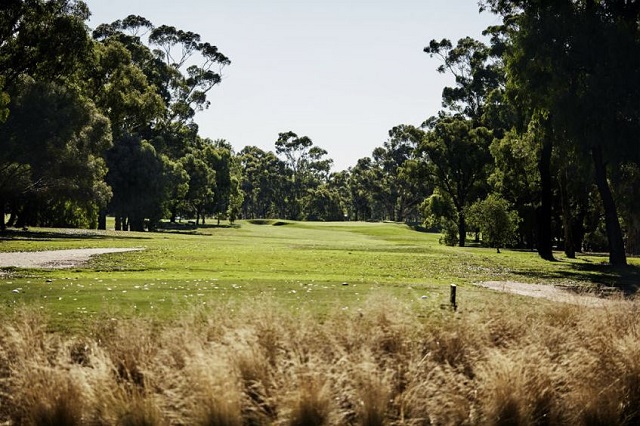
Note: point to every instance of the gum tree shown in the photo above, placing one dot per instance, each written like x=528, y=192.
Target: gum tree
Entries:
x=577, y=63
x=457, y=158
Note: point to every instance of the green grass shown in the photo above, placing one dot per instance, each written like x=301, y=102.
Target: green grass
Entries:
x=303, y=265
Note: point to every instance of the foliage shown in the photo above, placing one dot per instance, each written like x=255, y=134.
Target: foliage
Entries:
x=137, y=175
x=478, y=75
x=439, y=211
x=495, y=220
x=46, y=40
x=308, y=168
x=182, y=67
x=119, y=87
x=264, y=179
x=587, y=98
x=457, y=161
x=58, y=160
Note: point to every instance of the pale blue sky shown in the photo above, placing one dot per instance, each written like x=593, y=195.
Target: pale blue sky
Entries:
x=341, y=72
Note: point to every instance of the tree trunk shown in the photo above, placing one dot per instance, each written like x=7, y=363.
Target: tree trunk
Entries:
x=22, y=217
x=545, y=235
x=633, y=236
x=3, y=225
x=12, y=217
x=118, y=224
x=102, y=219
x=462, y=229
x=136, y=224
x=567, y=218
x=617, y=256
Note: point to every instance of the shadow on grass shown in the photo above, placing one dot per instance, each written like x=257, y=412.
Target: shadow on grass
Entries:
x=270, y=222
x=192, y=230
x=66, y=234
x=221, y=226
x=623, y=278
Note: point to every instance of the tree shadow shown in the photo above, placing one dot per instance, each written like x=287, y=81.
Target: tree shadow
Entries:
x=221, y=226
x=623, y=278
x=71, y=234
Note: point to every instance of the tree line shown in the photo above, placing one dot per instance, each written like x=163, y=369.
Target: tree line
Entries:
x=536, y=145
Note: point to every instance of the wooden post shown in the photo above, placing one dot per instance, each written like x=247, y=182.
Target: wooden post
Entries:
x=452, y=298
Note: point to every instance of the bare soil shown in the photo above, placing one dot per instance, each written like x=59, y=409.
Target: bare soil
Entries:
x=558, y=293
x=54, y=259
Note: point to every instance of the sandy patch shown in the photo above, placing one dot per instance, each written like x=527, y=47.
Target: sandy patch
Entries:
x=54, y=259
x=554, y=293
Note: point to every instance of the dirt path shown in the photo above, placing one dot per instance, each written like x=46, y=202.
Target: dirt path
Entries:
x=552, y=292
x=54, y=259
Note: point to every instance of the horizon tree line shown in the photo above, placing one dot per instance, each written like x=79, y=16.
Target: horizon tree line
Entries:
x=540, y=133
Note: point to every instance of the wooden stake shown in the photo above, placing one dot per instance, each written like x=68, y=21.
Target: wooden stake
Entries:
x=452, y=298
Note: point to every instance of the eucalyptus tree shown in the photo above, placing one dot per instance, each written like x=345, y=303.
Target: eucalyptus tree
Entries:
x=495, y=219
x=264, y=183
x=220, y=157
x=202, y=184
x=309, y=166
x=44, y=39
x=627, y=191
x=40, y=41
x=120, y=89
x=140, y=173
x=162, y=76
x=457, y=159
x=236, y=199
x=323, y=204
x=339, y=185
x=577, y=63
x=362, y=183
x=478, y=73
x=440, y=215
x=210, y=165
x=515, y=178
x=58, y=162
x=404, y=166
x=182, y=66
x=330, y=201
x=400, y=187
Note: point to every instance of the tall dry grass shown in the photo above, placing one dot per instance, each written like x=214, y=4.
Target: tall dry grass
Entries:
x=263, y=364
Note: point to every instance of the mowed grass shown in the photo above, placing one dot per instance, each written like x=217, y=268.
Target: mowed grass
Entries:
x=306, y=266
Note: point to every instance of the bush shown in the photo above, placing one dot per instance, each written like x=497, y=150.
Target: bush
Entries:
x=496, y=221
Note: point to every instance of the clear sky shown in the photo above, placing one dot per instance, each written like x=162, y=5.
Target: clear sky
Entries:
x=342, y=72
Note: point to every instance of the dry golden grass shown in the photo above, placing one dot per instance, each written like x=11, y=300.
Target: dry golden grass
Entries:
x=262, y=364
